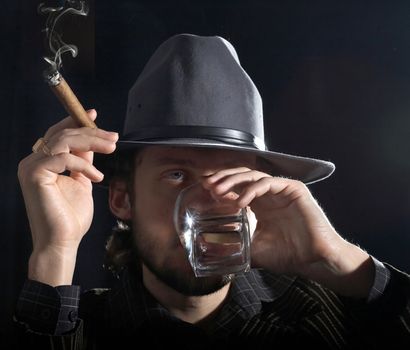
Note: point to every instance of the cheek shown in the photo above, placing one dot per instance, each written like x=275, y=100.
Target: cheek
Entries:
x=154, y=214
x=156, y=238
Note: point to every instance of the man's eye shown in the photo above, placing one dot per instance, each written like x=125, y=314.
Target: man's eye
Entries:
x=176, y=175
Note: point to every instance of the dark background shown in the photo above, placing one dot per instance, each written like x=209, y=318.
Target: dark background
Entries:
x=334, y=77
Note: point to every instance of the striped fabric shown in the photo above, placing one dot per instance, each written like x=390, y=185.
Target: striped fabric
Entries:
x=263, y=311
x=46, y=309
x=380, y=282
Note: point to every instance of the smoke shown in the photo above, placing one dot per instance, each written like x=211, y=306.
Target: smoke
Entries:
x=55, y=44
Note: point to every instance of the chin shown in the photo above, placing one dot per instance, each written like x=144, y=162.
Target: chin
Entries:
x=182, y=279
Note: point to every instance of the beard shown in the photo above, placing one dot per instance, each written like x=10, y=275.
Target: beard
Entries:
x=188, y=284
x=173, y=275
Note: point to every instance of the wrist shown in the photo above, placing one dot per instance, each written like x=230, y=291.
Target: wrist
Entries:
x=52, y=266
x=348, y=271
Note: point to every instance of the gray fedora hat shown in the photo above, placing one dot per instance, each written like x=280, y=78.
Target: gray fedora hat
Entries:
x=193, y=92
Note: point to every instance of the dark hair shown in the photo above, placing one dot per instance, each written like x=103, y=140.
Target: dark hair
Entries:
x=120, y=248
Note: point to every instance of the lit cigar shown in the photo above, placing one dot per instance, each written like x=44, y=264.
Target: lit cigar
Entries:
x=67, y=98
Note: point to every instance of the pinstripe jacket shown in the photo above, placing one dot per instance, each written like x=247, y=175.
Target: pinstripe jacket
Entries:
x=263, y=311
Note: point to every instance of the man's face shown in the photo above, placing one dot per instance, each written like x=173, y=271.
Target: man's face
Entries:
x=160, y=174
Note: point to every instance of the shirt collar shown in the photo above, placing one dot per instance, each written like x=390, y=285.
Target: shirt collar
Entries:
x=130, y=304
x=248, y=293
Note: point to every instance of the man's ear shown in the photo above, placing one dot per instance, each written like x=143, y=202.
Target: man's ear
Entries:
x=119, y=199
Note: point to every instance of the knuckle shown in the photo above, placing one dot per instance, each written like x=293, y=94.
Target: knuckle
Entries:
x=50, y=130
x=27, y=171
x=65, y=157
x=265, y=180
x=60, y=139
x=91, y=131
x=24, y=166
x=299, y=186
x=64, y=133
x=21, y=168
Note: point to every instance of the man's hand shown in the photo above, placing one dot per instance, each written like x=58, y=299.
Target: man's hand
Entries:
x=60, y=206
x=293, y=235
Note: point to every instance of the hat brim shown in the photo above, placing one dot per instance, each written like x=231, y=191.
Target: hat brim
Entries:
x=305, y=169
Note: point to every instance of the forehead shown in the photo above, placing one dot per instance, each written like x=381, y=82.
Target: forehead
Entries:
x=197, y=157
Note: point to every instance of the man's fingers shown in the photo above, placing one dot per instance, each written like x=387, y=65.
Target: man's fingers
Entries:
x=214, y=178
x=278, y=191
x=95, y=140
x=68, y=162
x=67, y=123
x=233, y=180
x=252, y=184
x=68, y=148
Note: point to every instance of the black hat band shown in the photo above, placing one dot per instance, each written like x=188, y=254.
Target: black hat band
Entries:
x=225, y=135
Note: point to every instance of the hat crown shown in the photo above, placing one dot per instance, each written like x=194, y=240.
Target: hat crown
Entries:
x=194, y=81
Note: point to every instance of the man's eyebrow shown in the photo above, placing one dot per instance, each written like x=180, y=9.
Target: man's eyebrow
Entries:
x=190, y=162
x=176, y=161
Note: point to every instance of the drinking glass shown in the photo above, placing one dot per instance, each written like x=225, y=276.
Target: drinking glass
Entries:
x=214, y=233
